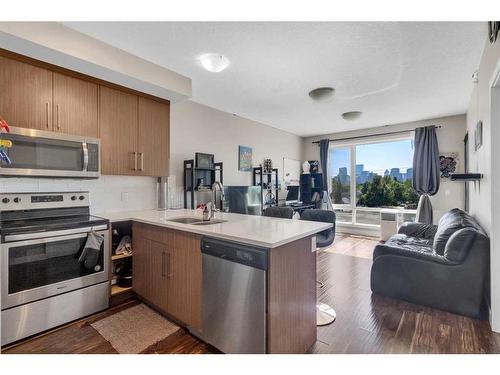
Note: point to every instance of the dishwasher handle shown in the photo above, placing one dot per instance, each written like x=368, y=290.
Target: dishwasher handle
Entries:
x=253, y=256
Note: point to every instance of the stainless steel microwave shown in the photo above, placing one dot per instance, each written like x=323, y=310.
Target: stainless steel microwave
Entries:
x=49, y=154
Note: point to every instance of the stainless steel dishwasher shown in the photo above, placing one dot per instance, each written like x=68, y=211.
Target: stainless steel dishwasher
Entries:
x=234, y=296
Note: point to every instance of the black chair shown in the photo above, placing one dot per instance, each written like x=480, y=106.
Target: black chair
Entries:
x=326, y=237
x=325, y=314
x=282, y=212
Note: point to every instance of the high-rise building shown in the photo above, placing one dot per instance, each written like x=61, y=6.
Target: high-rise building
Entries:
x=396, y=174
x=359, y=169
x=344, y=178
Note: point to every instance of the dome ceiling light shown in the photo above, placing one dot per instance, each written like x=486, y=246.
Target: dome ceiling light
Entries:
x=350, y=116
x=214, y=62
x=322, y=94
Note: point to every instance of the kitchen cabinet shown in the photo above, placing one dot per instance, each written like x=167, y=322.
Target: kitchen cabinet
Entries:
x=167, y=271
x=150, y=269
x=134, y=134
x=75, y=106
x=25, y=94
x=133, y=127
x=118, y=131
x=153, y=137
x=185, y=278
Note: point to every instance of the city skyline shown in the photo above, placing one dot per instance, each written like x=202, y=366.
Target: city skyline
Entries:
x=372, y=158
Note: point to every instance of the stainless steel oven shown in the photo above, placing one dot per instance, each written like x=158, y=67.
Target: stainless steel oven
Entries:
x=51, y=154
x=44, y=282
x=47, y=265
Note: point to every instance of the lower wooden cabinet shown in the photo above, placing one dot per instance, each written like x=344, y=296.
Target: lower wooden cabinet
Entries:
x=167, y=271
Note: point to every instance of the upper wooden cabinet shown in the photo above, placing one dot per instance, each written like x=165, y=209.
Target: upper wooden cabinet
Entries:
x=134, y=134
x=75, y=106
x=153, y=137
x=25, y=94
x=118, y=131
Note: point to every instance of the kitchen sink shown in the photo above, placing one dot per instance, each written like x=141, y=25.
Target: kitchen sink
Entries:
x=211, y=221
x=195, y=221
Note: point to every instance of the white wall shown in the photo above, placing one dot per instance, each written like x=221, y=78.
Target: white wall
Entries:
x=107, y=193
x=198, y=128
x=484, y=195
x=450, y=139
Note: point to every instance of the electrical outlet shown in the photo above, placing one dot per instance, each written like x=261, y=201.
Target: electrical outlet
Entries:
x=124, y=196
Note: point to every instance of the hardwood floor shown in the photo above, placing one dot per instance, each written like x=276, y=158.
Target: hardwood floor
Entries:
x=356, y=246
x=365, y=323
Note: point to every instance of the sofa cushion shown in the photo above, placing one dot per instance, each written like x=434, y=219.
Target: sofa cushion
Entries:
x=451, y=222
x=409, y=242
x=459, y=244
x=404, y=245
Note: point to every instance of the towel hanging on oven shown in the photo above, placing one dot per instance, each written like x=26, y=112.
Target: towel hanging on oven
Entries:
x=92, y=250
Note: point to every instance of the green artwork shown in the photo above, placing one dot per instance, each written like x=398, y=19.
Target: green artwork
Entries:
x=245, y=158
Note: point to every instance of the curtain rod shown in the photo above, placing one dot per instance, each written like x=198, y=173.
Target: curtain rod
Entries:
x=372, y=135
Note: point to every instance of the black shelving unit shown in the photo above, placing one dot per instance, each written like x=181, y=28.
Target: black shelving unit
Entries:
x=268, y=186
x=310, y=183
x=192, y=175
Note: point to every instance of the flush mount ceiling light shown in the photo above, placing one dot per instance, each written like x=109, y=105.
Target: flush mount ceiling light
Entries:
x=321, y=94
x=214, y=62
x=353, y=115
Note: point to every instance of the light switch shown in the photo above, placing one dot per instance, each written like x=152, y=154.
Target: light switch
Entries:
x=124, y=196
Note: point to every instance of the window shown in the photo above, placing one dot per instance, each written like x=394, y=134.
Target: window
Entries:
x=364, y=177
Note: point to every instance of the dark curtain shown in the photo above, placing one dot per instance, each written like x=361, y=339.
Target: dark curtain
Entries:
x=323, y=155
x=425, y=171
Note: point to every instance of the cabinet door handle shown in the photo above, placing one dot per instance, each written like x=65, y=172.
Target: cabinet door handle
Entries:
x=47, y=113
x=134, y=168
x=163, y=264
x=169, y=266
x=57, y=114
x=142, y=161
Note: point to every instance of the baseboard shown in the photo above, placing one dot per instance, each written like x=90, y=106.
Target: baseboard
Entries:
x=361, y=230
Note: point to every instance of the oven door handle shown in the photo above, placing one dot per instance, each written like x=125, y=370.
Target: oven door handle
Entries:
x=54, y=233
x=85, y=150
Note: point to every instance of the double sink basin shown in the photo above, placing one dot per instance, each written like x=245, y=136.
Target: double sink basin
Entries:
x=195, y=221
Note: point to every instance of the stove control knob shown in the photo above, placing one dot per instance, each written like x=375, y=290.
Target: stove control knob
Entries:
x=5, y=200
x=81, y=197
x=73, y=198
x=17, y=199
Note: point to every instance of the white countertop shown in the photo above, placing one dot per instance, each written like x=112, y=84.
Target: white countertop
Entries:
x=255, y=230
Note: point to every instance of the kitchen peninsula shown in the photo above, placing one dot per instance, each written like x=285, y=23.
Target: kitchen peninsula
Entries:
x=168, y=271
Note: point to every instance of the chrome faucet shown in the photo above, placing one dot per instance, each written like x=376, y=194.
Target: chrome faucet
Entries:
x=217, y=186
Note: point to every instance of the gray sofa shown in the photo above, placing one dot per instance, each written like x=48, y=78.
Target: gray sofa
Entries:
x=444, y=266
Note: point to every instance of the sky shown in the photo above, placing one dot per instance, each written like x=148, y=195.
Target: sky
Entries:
x=376, y=157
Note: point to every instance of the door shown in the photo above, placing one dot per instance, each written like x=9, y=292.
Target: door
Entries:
x=185, y=278
x=150, y=268
x=153, y=137
x=25, y=94
x=118, y=131
x=75, y=106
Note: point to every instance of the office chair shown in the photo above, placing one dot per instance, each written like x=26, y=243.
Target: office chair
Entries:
x=282, y=212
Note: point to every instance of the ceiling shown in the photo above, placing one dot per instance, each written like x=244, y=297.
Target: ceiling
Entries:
x=392, y=72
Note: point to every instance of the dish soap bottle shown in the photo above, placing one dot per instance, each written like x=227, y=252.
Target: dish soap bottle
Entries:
x=206, y=213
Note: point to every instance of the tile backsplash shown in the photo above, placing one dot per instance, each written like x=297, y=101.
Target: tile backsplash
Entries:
x=107, y=193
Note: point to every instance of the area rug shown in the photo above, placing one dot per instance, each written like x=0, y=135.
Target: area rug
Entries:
x=133, y=330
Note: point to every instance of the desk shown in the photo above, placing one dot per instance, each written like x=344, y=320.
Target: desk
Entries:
x=301, y=207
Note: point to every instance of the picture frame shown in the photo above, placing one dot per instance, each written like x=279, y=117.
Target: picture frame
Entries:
x=244, y=159
x=448, y=163
x=478, y=135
